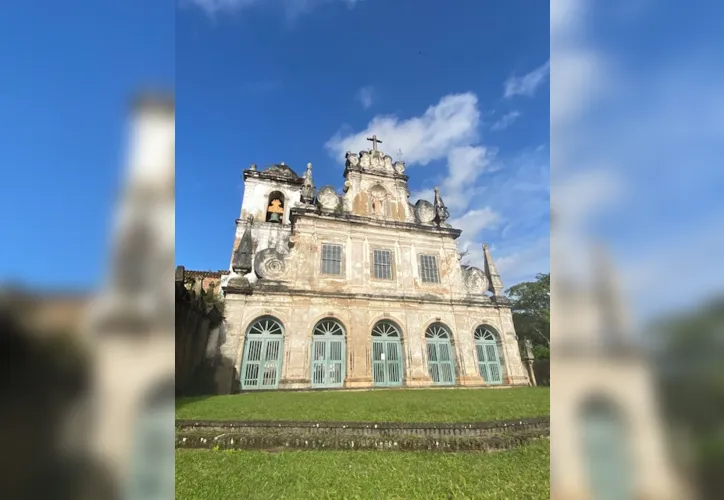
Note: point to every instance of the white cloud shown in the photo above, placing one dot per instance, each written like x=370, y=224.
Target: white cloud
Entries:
x=526, y=85
x=474, y=221
x=291, y=8
x=365, y=96
x=505, y=121
x=515, y=191
x=450, y=123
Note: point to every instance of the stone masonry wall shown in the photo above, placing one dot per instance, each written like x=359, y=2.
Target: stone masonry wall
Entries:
x=299, y=314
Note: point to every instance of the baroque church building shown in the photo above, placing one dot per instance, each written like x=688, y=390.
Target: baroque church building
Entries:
x=356, y=290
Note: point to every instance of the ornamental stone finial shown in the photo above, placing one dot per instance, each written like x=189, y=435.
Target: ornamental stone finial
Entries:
x=308, y=186
x=441, y=211
x=252, y=167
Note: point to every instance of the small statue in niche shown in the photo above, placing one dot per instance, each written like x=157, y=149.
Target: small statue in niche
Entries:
x=377, y=207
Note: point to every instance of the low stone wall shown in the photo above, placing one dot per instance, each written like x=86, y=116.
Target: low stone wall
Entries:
x=479, y=436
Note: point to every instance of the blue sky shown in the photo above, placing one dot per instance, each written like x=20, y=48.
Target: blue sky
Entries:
x=637, y=117
x=69, y=70
x=460, y=88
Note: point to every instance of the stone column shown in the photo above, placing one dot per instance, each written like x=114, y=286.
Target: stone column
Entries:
x=359, y=365
x=415, y=351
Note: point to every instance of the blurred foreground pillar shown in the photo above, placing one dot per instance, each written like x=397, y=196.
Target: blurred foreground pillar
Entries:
x=131, y=322
x=607, y=438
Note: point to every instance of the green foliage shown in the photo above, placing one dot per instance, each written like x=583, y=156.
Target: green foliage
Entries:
x=385, y=405
x=531, y=304
x=519, y=473
x=691, y=376
x=541, y=352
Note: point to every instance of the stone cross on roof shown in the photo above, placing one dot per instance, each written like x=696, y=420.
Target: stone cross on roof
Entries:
x=374, y=140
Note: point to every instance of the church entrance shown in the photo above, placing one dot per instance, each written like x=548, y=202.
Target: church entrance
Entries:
x=386, y=355
x=261, y=364
x=486, y=346
x=605, y=451
x=440, y=360
x=328, y=354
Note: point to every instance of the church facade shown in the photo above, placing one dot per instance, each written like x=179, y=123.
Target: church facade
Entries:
x=358, y=289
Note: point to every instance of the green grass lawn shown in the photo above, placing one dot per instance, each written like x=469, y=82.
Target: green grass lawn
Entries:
x=402, y=405
x=522, y=473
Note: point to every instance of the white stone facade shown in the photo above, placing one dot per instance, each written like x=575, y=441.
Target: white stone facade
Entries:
x=277, y=272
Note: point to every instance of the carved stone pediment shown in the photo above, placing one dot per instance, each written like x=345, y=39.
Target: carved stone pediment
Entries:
x=327, y=198
x=270, y=264
x=425, y=211
x=475, y=280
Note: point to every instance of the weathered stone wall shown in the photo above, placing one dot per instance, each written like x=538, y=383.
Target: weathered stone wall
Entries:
x=299, y=313
x=197, y=323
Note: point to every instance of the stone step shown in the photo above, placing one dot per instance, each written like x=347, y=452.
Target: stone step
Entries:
x=479, y=436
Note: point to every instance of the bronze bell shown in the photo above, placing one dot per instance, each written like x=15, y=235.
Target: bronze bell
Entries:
x=275, y=217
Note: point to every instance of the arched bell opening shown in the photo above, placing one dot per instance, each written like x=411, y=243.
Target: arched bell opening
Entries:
x=275, y=208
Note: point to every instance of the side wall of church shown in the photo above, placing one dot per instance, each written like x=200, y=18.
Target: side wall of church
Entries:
x=299, y=314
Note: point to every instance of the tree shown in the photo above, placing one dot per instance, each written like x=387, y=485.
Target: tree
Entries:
x=531, y=304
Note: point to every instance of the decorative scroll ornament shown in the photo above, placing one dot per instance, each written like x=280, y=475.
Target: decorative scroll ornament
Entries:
x=352, y=159
x=269, y=264
x=399, y=167
x=327, y=198
x=425, y=211
x=475, y=280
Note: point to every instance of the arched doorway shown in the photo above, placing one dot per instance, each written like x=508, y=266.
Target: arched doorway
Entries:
x=261, y=365
x=486, y=345
x=328, y=354
x=605, y=442
x=151, y=463
x=440, y=361
x=386, y=354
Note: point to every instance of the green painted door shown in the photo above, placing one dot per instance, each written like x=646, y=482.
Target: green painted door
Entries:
x=151, y=463
x=328, y=355
x=261, y=364
x=605, y=451
x=489, y=365
x=386, y=355
x=440, y=361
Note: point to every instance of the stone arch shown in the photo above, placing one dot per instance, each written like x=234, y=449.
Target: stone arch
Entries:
x=441, y=358
x=388, y=366
x=263, y=354
x=388, y=317
x=276, y=207
x=490, y=354
x=606, y=450
x=328, y=365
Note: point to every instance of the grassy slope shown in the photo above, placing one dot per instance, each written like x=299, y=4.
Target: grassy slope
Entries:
x=461, y=405
x=522, y=473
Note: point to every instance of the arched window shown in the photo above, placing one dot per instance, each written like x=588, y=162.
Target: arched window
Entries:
x=261, y=365
x=275, y=208
x=486, y=345
x=328, y=354
x=440, y=360
x=605, y=443
x=386, y=354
